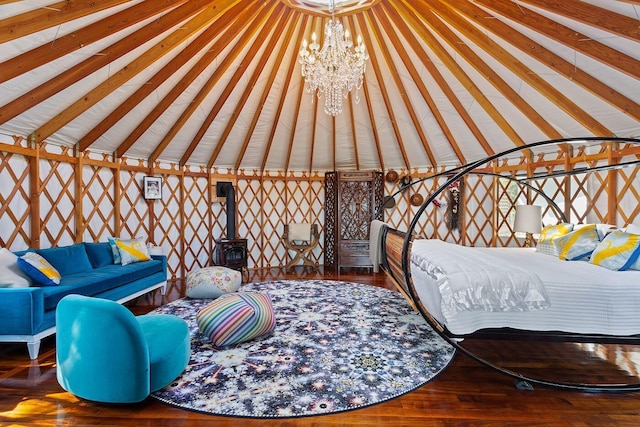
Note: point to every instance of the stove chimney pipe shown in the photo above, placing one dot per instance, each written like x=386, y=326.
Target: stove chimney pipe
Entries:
x=225, y=189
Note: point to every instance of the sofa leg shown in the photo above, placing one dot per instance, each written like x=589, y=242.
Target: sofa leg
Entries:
x=34, y=349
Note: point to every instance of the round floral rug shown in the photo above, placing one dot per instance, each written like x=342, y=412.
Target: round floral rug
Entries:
x=337, y=346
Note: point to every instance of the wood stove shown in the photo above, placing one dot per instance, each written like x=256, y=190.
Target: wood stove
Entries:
x=230, y=252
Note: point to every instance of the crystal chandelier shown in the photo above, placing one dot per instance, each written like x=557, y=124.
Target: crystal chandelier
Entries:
x=335, y=69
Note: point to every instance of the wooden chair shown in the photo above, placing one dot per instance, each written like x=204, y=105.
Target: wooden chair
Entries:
x=301, y=238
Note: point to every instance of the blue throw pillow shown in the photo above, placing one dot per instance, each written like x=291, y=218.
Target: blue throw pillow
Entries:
x=579, y=243
x=114, y=249
x=100, y=254
x=67, y=259
x=36, y=267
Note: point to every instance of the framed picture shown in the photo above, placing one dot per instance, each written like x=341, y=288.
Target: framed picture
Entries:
x=152, y=188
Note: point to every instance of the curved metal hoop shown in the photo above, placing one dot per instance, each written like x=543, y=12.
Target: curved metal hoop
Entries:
x=455, y=174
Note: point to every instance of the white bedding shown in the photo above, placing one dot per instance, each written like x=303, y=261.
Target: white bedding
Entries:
x=583, y=298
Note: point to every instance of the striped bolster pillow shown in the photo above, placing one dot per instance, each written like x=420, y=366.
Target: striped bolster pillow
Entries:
x=235, y=318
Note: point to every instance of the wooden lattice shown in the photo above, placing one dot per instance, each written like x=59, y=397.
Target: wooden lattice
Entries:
x=14, y=201
x=108, y=201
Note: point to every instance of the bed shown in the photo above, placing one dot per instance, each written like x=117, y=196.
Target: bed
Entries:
x=515, y=292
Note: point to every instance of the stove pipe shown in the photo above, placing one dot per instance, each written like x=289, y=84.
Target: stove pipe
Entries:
x=225, y=189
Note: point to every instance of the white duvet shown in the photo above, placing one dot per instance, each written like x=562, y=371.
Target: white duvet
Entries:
x=581, y=297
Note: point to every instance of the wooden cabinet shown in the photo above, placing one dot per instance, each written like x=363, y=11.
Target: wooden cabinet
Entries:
x=353, y=200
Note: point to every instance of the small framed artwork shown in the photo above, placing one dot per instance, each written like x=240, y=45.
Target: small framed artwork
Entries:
x=152, y=187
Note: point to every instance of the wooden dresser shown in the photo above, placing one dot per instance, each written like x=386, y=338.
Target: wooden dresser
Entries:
x=353, y=200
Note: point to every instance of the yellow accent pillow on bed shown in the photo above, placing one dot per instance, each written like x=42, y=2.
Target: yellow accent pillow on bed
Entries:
x=618, y=251
x=579, y=243
x=548, y=236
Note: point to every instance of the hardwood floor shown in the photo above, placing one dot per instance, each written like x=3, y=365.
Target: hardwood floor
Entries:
x=466, y=393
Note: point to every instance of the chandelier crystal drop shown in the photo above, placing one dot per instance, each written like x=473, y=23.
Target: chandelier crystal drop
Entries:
x=335, y=69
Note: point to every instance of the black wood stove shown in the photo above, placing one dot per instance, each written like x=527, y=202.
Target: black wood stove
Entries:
x=230, y=252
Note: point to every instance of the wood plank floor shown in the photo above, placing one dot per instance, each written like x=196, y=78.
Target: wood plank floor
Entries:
x=466, y=393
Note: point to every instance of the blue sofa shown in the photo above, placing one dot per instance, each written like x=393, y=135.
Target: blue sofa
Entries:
x=29, y=314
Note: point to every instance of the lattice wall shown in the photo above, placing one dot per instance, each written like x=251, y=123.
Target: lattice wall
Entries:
x=52, y=196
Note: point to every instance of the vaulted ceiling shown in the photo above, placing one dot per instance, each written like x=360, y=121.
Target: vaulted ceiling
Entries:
x=218, y=83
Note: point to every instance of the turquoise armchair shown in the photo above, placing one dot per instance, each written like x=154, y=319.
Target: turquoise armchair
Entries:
x=106, y=354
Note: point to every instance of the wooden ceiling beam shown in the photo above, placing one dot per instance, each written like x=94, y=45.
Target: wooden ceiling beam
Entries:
x=565, y=35
x=246, y=37
x=372, y=121
x=352, y=122
x=405, y=97
x=400, y=50
x=291, y=24
x=452, y=65
x=287, y=80
x=426, y=12
x=435, y=75
x=108, y=55
x=173, y=66
x=49, y=16
x=230, y=23
x=281, y=16
x=518, y=68
x=129, y=71
x=548, y=58
x=590, y=14
x=383, y=89
x=85, y=36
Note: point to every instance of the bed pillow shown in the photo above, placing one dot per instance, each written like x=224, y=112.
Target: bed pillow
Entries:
x=579, y=243
x=133, y=250
x=549, y=235
x=11, y=275
x=39, y=269
x=618, y=251
x=114, y=249
x=633, y=229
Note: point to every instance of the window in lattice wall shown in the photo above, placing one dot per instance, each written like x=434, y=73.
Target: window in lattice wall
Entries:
x=508, y=195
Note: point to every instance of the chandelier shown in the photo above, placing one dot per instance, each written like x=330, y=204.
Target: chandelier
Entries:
x=335, y=69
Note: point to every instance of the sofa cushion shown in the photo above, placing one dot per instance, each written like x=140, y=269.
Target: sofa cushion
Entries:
x=99, y=254
x=99, y=280
x=39, y=269
x=67, y=259
x=11, y=275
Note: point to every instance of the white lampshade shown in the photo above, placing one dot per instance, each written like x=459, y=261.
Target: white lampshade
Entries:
x=528, y=219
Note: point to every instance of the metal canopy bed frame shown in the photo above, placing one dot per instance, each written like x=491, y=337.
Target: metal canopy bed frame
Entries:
x=396, y=247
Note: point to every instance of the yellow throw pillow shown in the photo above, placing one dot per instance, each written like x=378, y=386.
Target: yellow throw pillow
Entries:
x=618, y=251
x=548, y=236
x=39, y=269
x=579, y=243
x=133, y=250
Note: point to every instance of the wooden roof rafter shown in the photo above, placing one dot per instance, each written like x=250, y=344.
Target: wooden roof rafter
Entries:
x=291, y=25
x=434, y=73
x=421, y=30
x=264, y=58
x=567, y=36
x=91, y=33
x=81, y=70
x=383, y=90
x=276, y=120
x=49, y=16
x=255, y=25
x=213, y=52
x=519, y=69
x=590, y=14
x=126, y=73
x=434, y=22
x=421, y=87
x=153, y=83
x=555, y=62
